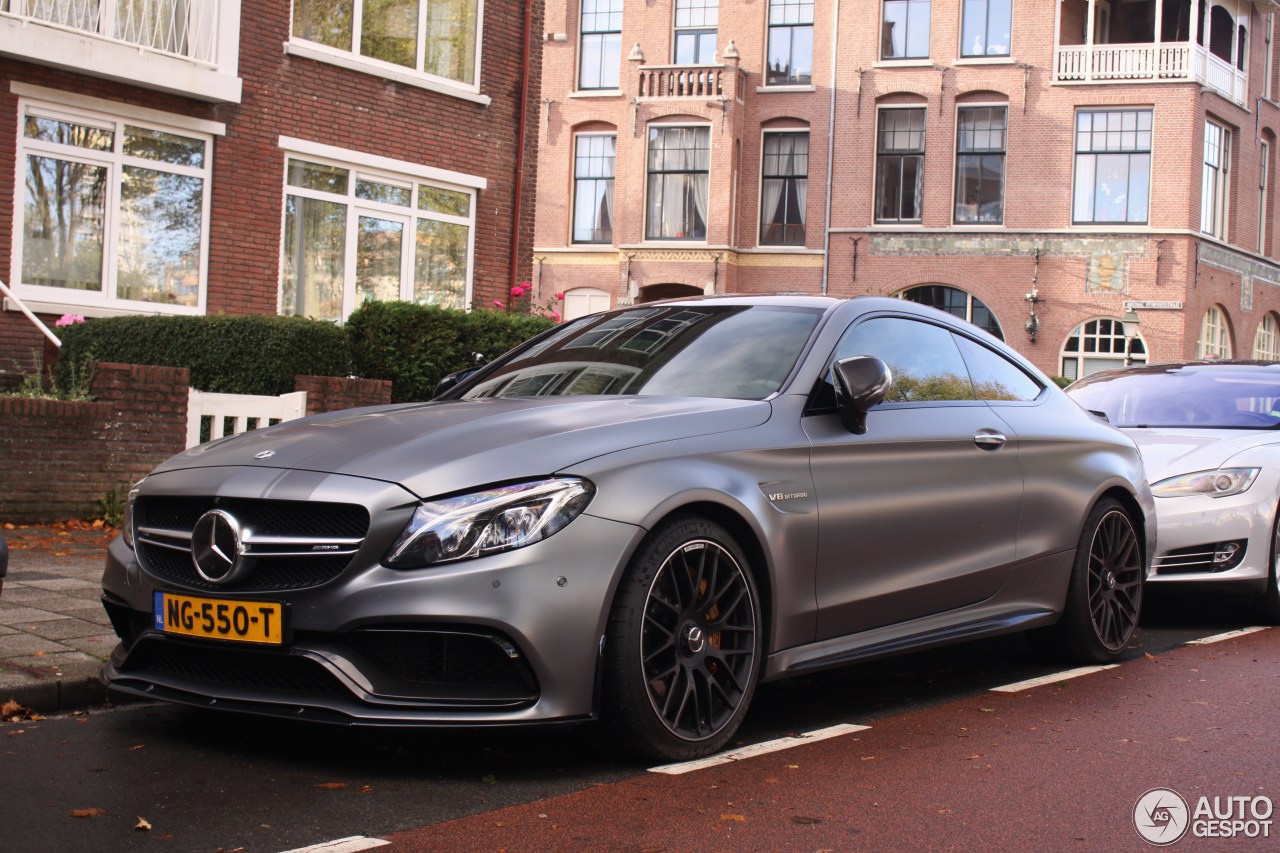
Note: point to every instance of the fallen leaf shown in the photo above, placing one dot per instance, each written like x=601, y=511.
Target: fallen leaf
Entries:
x=142, y=825
x=366, y=789
x=1148, y=656
x=973, y=757
x=331, y=786
x=1180, y=739
x=734, y=817
x=86, y=812
x=138, y=747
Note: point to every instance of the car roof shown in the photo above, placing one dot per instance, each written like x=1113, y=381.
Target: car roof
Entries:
x=1188, y=367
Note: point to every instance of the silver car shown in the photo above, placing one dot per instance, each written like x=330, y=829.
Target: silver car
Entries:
x=637, y=517
x=1209, y=433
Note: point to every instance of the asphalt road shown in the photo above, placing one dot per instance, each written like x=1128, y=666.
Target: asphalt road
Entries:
x=205, y=781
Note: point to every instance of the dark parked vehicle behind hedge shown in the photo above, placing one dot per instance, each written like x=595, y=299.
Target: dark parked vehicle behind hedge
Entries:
x=637, y=517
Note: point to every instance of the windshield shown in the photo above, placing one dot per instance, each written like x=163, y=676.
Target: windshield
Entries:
x=1201, y=397
x=739, y=351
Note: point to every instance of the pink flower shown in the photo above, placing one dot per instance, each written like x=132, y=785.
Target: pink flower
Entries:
x=560, y=296
x=497, y=304
x=555, y=315
x=69, y=320
x=518, y=290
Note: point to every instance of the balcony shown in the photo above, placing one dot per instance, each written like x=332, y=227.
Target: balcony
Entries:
x=1149, y=63
x=702, y=82
x=187, y=47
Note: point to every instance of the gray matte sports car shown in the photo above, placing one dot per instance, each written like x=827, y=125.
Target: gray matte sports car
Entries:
x=637, y=517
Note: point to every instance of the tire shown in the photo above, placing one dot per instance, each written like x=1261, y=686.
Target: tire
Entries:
x=1268, y=604
x=1104, y=595
x=683, y=645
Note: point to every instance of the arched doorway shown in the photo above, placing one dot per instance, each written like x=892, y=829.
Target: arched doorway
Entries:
x=656, y=292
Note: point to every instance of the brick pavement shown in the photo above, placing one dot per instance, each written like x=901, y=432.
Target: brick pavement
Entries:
x=54, y=634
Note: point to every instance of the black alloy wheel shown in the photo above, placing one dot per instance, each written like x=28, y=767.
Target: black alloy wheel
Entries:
x=684, y=641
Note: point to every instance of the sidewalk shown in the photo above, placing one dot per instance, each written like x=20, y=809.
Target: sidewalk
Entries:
x=54, y=634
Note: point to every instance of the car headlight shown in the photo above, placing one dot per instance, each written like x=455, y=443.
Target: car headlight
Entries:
x=126, y=522
x=1219, y=483
x=488, y=521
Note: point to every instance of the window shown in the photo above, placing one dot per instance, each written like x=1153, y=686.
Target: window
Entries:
x=784, y=188
x=593, y=166
x=1215, y=341
x=600, y=58
x=899, y=165
x=1100, y=345
x=994, y=376
x=956, y=303
x=112, y=210
x=436, y=38
x=985, y=28
x=1113, y=166
x=980, y=153
x=1213, y=181
x=695, y=31
x=904, y=30
x=1266, y=341
x=923, y=358
x=352, y=234
x=1264, y=176
x=790, y=43
x=679, y=164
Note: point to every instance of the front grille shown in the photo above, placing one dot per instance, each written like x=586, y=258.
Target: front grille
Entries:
x=232, y=667
x=1210, y=557
x=288, y=544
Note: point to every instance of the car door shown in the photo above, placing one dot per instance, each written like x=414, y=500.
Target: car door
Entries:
x=918, y=515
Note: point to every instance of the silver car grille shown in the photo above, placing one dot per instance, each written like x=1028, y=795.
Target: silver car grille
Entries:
x=287, y=544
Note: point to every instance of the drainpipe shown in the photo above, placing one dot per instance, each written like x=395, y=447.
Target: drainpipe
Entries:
x=831, y=147
x=522, y=133
x=4, y=288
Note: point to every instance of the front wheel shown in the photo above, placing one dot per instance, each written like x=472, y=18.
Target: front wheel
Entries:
x=683, y=648
x=1104, y=596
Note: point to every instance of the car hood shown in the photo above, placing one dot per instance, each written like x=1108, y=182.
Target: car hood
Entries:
x=441, y=447
x=1169, y=452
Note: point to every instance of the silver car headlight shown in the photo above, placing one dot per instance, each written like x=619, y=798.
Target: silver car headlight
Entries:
x=488, y=521
x=1219, y=483
x=126, y=522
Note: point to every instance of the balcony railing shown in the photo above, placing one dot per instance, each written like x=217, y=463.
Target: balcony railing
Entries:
x=182, y=28
x=685, y=81
x=1160, y=63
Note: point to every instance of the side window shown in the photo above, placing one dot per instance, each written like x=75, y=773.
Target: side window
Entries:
x=924, y=359
x=994, y=376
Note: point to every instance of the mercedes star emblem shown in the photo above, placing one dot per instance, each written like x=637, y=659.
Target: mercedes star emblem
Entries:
x=217, y=549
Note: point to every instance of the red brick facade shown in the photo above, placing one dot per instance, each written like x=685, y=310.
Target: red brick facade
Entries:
x=1078, y=273
x=288, y=95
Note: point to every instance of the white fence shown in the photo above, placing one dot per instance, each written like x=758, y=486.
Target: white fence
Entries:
x=231, y=414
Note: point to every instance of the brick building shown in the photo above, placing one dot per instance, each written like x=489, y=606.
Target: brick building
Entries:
x=261, y=156
x=1041, y=167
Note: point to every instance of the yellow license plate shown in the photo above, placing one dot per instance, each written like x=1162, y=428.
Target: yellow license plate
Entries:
x=221, y=619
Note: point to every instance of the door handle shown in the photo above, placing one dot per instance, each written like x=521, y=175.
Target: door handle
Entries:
x=989, y=440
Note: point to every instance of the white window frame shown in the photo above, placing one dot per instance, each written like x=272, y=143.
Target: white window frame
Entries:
x=94, y=111
x=573, y=202
x=1079, y=156
x=1266, y=339
x=354, y=61
x=907, y=57
x=582, y=35
x=1215, y=180
x=1003, y=153
x=711, y=162
x=1215, y=337
x=986, y=54
x=765, y=133
x=388, y=171
x=703, y=9
x=1110, y=349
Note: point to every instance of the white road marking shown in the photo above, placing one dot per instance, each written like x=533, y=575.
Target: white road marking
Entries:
x=758, y=749
x=1230, y=635
x=342, y=845
x=1019, y=686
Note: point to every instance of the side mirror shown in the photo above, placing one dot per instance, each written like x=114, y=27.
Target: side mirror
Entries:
x=862, y=381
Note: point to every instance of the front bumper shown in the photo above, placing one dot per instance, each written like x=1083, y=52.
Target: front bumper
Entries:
x=505, y=639
x=1192, y=529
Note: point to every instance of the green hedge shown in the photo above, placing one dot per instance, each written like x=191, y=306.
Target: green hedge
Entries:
x=250, y=354
x=415, y=345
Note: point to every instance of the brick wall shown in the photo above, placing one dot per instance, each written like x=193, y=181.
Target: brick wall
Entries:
x=62, y=458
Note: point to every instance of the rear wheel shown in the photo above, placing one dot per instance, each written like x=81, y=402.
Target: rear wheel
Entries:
x=1104, y=596
x=684, y=644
